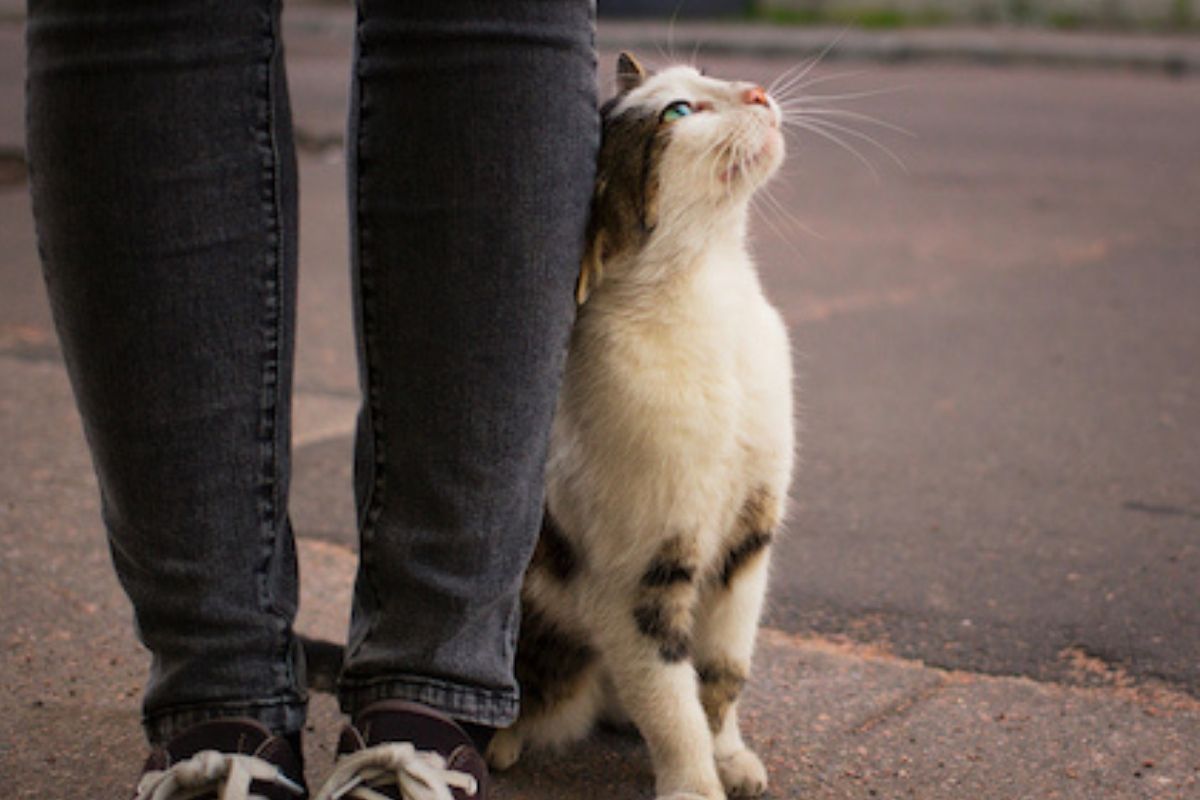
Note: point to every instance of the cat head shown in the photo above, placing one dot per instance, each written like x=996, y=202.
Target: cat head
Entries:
x=680, y=153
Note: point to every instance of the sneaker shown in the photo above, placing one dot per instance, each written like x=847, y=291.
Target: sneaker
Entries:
x=397, y=750
x=227, y=759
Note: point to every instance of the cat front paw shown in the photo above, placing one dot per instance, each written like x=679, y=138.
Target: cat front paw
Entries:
x=504, y=749
x=743, y=774
x=683, y=796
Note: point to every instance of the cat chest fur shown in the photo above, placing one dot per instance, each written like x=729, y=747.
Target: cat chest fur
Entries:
x=676, y=406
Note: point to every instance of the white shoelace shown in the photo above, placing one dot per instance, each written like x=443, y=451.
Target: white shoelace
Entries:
x=419, y=774
x=229, y=774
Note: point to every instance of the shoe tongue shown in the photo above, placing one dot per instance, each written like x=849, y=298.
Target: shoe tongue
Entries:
x=398, y=721
x=225, y=736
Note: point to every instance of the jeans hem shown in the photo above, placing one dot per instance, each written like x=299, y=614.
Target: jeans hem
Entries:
x=283, y=716
x=497, y=709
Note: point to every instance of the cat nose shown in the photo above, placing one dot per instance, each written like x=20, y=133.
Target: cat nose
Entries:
x=755, y=96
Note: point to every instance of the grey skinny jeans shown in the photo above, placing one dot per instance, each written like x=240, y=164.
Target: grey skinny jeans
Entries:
x=164, y=184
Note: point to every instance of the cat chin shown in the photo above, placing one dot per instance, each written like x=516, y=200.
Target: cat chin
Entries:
x=760, y=166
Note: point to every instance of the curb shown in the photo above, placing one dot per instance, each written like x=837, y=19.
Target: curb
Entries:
x=1176, y=56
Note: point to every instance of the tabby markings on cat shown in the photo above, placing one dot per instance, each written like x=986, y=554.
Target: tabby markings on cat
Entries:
x=672, y=446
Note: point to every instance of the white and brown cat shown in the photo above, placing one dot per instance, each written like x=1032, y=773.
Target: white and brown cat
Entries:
x=672, y=447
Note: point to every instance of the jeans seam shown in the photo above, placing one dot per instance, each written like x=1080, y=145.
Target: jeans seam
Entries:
x=272, y=398
x=375, y=483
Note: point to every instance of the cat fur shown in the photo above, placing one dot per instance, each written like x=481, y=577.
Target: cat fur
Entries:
x=672, y=446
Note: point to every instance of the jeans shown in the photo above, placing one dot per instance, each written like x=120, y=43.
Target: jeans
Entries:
x=164, y=184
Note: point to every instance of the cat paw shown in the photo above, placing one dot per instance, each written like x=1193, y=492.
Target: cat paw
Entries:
x=742, y=774
x=683, y=796
x=504, y=750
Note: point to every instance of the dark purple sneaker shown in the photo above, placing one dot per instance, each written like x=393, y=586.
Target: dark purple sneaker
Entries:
x=229, y=759
x=406, y=751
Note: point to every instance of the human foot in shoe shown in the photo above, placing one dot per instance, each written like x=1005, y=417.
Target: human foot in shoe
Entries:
x=397, y=750
x=226, y=759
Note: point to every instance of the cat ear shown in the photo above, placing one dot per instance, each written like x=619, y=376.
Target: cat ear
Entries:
x=630, y=73
x=591, y=268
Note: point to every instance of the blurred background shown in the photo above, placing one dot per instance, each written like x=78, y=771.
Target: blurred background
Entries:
x=1063, y=14
x=986, y=242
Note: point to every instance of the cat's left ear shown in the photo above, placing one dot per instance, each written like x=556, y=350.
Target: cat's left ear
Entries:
x=630, y=73
x=591, y=267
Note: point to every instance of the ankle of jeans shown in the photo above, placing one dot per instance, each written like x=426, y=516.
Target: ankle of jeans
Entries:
x=282, y=716
x=466, y=704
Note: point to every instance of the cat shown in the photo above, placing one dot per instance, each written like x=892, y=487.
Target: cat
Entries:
x=672, y=447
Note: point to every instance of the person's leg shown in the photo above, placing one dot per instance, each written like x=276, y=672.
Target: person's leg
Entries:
x=473, y=139
x=164, y=188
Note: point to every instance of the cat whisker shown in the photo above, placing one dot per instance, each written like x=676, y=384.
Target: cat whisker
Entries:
x=845, y=114
x=765, y=214
x=786, y=76
x=830, y=98
x=715, y=154
x=731, y=164
x=663, y=55
x=709, y=151
x=799, y=88
x=786, y=88
x=747, y=146
x=809, y=126
x=766, y=217
x=769, y=198
x=737, y=161
x=785, y=85
x=727, y=155
x=696, y=54
x=846, y=129
x=671, y=30
x=709, y=154
x=784, y=82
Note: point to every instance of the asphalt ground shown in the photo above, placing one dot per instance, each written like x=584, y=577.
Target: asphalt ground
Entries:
x=988, y=586
x=1000, y=356
x=994, y=314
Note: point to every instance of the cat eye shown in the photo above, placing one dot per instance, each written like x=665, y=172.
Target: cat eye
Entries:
x=676, y=110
